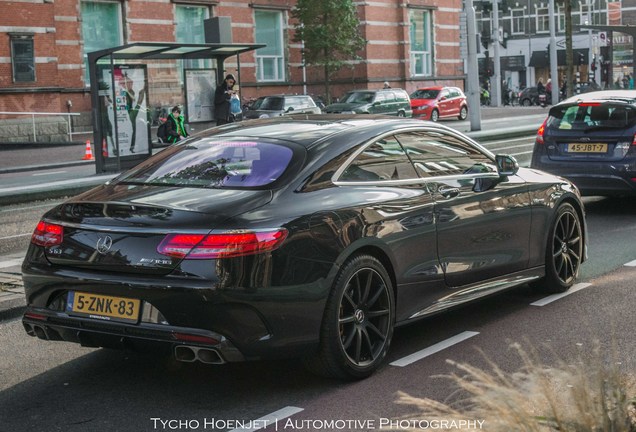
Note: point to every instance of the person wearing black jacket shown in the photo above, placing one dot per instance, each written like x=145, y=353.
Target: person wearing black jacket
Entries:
x=175, y=126
x=222, y=97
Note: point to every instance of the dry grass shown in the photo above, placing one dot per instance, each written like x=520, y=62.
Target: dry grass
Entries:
x=588, y=396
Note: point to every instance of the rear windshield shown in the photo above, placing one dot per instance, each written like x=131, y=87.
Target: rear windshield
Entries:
x=215, y=164
x=591, y=116
x=269, y=103
x=358, y=97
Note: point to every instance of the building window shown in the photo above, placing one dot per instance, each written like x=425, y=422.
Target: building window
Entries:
x=518, y=21
x=189, y=29
x=421, y=35
x=270, y=59
x=23, y=58
x=560, y=13
x=101, y=28
x=543, y=20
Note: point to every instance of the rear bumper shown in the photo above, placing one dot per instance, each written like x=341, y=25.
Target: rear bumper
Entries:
x=56, y=326
x=605, y=185
x=593, y=178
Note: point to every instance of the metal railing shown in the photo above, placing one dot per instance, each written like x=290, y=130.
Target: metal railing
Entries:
x=33, y=114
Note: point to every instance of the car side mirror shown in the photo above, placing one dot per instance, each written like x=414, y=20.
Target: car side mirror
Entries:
x=290, y=109
x=376, y=103
x=506, y=165
x=443, y=98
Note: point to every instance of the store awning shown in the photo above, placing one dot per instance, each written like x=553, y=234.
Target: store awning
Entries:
x=541, y=59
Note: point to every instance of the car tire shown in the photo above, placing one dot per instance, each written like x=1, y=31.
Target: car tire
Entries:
x=401, y=114
x=463, y=113
x=357, y=325
x=526, y=102
x=435, y=115
x=564, y=252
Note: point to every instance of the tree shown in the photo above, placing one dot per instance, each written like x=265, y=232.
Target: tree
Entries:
x=329, y=30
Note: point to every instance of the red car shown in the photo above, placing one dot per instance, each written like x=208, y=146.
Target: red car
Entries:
x=433, y=103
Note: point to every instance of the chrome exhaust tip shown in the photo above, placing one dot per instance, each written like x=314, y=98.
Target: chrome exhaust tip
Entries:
x=190, y=354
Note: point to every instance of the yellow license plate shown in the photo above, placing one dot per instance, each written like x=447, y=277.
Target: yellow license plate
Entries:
x=103, y=307
x=587, y=148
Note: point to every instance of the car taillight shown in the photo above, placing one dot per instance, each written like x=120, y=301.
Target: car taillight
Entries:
x=541, y=133
x=634, y=140
x=47, y=234
x=221, y=245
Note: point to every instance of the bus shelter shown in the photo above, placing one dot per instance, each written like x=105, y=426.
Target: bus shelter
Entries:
x=133, y=87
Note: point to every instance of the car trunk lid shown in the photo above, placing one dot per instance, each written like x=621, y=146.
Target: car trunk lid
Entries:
x=123, y=235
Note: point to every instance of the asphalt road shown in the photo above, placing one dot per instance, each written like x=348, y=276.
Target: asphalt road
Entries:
x=61, y=387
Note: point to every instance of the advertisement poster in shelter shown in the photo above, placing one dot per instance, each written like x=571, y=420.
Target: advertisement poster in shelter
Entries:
x=200, y=87
x=129, y=102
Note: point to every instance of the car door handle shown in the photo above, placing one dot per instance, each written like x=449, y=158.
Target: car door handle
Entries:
x=448, y=192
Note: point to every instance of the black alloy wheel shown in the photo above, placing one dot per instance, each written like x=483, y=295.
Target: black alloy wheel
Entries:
x=358, y=322
x=564, y=251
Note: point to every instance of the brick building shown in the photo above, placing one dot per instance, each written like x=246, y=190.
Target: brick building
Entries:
x=43, y=68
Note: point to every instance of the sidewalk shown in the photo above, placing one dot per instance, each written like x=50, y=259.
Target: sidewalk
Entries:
x=12, y=301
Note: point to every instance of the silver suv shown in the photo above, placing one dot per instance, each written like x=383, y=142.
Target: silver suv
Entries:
x=278, y=105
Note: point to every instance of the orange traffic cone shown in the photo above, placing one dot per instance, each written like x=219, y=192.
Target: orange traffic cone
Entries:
x=104, y=148
x=88, y=154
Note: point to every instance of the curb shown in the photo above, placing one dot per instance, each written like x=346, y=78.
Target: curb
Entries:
x=52, y=191
x=12, y=298
x=45, y=167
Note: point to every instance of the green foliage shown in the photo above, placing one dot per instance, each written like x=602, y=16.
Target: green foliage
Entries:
x=330, y=32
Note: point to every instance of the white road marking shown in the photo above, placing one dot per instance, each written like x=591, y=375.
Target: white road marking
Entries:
x=405, y=361
x=50, y=205
x=554, y=297
x=48, y=173
x=521, y=153
x=270, y=419
x=631, y=264
x=15, y=236
x=11, y=263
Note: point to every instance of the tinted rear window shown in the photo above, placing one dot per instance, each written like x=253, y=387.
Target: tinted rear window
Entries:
x=215, y=164
x=358, y=97
x=269, y=103
x=591, y=116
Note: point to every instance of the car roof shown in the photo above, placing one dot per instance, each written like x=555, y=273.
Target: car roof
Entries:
x=432, y=88
x=284, y=95
x=309, y=129
x=376, y=90
x=626, y=96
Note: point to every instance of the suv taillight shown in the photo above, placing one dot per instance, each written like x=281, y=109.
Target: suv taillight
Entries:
x=634, y=140
x=221, y=245
x=541, y=133
x=47, y=234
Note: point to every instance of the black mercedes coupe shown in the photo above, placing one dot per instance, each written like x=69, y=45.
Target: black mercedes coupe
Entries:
x=307, y=236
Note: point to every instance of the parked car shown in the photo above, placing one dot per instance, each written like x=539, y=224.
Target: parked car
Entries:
x=391, y=101
x=529, y=96
x=309, y=236
x=433, y=103
x=278, y=105
x=590, y=140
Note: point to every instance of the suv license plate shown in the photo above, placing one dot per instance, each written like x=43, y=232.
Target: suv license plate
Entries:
x=103, y=307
